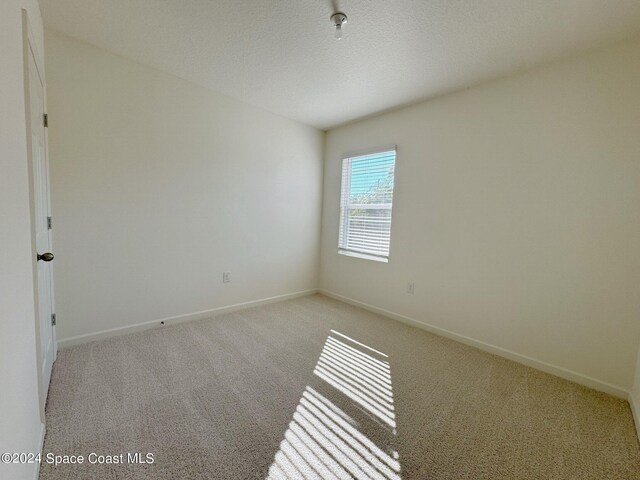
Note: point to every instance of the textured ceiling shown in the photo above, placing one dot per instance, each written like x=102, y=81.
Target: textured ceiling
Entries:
x=281, y=55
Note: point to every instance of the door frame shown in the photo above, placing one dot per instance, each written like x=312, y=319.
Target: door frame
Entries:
x=29, y=45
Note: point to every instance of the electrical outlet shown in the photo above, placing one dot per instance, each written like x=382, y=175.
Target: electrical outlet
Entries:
x=226, y=277
x=411, y=288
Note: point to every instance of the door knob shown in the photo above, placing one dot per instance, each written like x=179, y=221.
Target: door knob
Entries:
x=45, y=257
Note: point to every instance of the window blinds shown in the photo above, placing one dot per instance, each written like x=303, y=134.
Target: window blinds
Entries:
x=365, y=203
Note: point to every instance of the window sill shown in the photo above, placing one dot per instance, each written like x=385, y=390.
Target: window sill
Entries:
x=364, y=256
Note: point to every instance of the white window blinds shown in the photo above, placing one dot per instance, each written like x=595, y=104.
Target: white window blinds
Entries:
x=365, y=203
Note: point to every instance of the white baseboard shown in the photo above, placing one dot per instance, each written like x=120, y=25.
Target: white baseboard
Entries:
x=36, y=470
x=635, y=409
x=576, y=377
x=113, y=332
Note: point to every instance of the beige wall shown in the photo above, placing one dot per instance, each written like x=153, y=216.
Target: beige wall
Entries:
x=20, y=427
x=158, y=186
x=516, y=214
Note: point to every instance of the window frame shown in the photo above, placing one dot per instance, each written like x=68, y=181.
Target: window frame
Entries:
x=343, y=231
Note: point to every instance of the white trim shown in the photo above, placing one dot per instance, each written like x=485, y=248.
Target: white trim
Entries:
x=561, y=372
x=364, y=256
x=635, y=409
x=43, y=430
x=113, y=332
x=369, y=151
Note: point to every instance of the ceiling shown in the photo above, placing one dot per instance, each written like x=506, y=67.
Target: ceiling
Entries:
x=281, y=55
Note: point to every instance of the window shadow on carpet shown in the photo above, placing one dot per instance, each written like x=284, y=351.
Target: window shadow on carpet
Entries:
x=353, y=440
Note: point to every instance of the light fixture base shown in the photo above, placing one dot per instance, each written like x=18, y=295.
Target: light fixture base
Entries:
x=338, y=19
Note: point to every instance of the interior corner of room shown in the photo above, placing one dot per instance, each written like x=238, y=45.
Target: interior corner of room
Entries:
x=347, y=249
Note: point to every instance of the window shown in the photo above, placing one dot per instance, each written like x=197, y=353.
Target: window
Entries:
x=365, y=204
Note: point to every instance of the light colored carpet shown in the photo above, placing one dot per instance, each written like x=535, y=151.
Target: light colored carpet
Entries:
x=314, y=388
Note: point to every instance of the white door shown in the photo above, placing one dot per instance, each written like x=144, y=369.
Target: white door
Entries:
x=42, y=230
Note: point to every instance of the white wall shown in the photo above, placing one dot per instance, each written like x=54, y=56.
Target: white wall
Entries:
x=20, y=426
x=516, y=214
x=158, y=186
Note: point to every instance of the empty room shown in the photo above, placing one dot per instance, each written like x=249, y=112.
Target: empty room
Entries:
x=316, y=239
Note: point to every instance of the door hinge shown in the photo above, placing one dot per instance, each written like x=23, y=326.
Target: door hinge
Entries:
x=45, y=120
x=53, y=319
x=49, y=223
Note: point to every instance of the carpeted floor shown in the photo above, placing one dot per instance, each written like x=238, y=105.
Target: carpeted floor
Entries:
x=314, y=388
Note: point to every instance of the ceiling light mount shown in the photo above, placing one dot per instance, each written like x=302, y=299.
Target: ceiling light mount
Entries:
x=338, y=19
